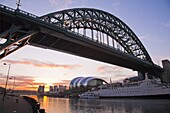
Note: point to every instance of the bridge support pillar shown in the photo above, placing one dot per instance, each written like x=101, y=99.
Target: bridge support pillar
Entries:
x=166, y=73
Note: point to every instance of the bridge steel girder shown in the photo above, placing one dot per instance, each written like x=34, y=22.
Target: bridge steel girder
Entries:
x=14, y=38
x=53, y=31
x=14, y=32
x=102, y=21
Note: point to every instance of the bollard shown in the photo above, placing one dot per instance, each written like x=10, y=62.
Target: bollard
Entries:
x=42, y=111
x=16, y=100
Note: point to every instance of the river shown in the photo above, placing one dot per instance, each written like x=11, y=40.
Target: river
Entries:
x=67, y=105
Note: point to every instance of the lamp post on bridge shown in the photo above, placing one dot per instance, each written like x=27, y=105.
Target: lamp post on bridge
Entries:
x=6, y=79
x=18, y=3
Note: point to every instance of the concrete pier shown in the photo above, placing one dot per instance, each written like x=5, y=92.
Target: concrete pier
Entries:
x=166, y=74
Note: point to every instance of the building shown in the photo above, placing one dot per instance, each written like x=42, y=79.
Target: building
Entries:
x=51, y=89
x=62, y=88
x=82, y=84
x=56, y=89
x=41, y=90
x=86, y=82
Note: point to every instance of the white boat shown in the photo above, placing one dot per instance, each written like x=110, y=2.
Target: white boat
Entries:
x=147, y=88
x=89, y=95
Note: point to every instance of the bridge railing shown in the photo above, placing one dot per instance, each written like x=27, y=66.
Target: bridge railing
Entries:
x=18, y=11
x=28, y=14
x=7, y=8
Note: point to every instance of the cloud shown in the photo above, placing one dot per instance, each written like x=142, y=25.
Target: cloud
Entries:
x=143, y=37
x=63, y=82
x=41, y=64
x=23, y=78
x=61, y=3
x=108, y=69
x=149, y=38
x=115, y=73
x=18, y=78
x=158, y=59
x=26, y=83
x=21, y=81
x=117, y=76
x=3, y=78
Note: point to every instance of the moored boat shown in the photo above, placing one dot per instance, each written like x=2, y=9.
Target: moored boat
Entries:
x=89, y=95
x=146, y=88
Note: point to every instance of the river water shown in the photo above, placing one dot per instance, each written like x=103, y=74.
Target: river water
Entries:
x=66, y=105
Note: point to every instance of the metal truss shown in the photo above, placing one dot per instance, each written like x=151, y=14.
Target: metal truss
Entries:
x=14, y=38
x=104, y=24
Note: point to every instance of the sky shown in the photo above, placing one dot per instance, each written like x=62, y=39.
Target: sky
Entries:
x=149, y=19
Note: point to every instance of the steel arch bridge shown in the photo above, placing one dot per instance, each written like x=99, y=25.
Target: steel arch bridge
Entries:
x=85, y=32
x=113, y=28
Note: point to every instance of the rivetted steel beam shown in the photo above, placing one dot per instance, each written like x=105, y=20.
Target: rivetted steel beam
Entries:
x=102, y=22
x=14, y=38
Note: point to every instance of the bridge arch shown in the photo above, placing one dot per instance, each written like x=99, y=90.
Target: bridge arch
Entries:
x=110, y=28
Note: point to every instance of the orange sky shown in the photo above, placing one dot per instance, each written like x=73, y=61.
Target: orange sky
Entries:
x=28, y=84
x=30, y=73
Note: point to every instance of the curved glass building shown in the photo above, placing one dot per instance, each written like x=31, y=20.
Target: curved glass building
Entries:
x=86, y=81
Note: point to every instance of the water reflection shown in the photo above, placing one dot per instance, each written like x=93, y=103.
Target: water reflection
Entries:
x=119, y=106
x=66, y=105
x=54, y=105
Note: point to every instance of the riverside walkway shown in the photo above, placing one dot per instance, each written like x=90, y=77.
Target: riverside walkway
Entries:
x=13, y=104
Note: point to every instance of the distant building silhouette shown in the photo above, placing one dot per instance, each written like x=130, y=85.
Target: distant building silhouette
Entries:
x=57, y=89
x=41, y=90
x=62, y=88
x=51, y=89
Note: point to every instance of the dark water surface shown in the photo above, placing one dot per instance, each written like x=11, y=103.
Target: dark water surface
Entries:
x=66, y=105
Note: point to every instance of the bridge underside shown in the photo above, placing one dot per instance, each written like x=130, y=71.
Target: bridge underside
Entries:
x=73, y=44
